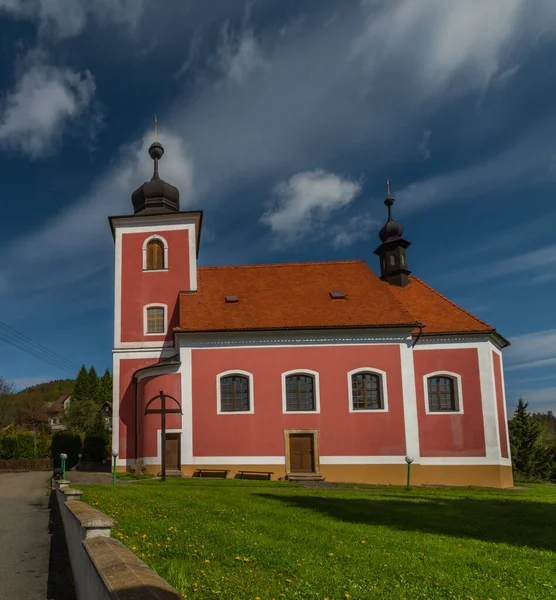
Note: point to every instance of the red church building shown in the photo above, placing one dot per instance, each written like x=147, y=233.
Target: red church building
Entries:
x=305, y=370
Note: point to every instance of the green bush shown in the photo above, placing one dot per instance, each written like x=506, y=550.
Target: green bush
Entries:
x=94, y=448
x=8, y=443
x=25, y=445
x=43, y=446
x=70, y=444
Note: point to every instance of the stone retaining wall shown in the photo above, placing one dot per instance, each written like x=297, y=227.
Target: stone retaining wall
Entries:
x=26, y=464
x=102, y=567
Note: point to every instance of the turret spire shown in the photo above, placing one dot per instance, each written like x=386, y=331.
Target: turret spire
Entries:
x=156, y=195
x=393, y=264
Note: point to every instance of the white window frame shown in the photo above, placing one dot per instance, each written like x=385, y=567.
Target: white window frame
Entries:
x=145, y=244
x=155, y=305
x=383, y=387
x=315, y=376
x=459, y=393
x=247, y=374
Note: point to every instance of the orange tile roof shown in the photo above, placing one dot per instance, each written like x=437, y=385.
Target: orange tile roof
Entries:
x=297, y=296
x=435, y=311
x=290, y=296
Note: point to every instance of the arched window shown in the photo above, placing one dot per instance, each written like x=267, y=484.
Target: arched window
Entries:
x=155, y=255
x=234, y=393
x=300, y=392
x=442, y=394
x=366, y=391
x=155, y=321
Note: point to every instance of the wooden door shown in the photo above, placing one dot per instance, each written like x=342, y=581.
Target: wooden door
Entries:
x=302, y=459
x=173, y=452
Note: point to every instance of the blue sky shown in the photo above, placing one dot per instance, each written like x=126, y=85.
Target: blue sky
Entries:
x=281, y=120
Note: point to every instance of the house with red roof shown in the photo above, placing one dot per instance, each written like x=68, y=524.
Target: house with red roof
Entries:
x=318, y=370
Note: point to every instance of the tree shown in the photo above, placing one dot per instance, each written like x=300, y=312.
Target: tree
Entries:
x=106, y=387
x=31, y=412
x=94, y=386
x=81, y=387
x=531, y=457
x=81, y=417
x=6, y=397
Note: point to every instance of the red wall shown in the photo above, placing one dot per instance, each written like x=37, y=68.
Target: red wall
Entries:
x=500, y=404
x=262, y=433
x=446, y=434
x=143, y=287
x=148, y=425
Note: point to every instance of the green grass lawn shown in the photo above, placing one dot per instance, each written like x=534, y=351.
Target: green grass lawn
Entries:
x=251, y=539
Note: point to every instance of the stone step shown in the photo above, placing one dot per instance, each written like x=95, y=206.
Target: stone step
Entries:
x=172, y=473
x=300, y=477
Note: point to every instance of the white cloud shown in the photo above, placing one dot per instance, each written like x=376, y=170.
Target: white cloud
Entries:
x=306, y=98
x=527, y=158
x=34, y=115
x=67, y=18
x=306, y=201
x=83, y=225
x=532, y=350
x=448, y=46
x=238, y=55
x=527, y=263
x=62, y=259
x=353, y=230
x=425, y=144
x=539, y=399
x=329, y=91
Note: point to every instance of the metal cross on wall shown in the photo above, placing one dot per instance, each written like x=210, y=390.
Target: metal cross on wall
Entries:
x=163, y=411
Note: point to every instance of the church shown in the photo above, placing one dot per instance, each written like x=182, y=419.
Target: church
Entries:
x=316, y=370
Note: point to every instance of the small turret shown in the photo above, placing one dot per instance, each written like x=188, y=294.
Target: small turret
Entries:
x=156, y=196
x=393, y=261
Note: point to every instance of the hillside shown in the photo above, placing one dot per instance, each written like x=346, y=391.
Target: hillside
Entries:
x=46, y=392
x=27, y=407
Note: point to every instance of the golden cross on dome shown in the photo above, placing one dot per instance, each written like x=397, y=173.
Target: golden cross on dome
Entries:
x=155, y=129
x=388, y=182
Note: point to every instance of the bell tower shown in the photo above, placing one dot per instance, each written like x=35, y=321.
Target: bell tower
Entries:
x=156, y=251
x=392, y=251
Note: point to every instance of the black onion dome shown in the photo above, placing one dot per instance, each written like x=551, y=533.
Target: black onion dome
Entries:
x=392, y=230
x=156, y=195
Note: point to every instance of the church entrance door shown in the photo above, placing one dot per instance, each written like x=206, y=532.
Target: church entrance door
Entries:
x=173, y=451
x=302, y=453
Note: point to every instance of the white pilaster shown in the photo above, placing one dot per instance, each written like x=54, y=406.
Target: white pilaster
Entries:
x=187, y=406
x=410, y=400
x=488, y=395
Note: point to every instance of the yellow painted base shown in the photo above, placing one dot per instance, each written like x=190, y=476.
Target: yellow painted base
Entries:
x=494, y=476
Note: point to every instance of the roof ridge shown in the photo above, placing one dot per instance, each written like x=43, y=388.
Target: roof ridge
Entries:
x=288, y=264
x=452, y=302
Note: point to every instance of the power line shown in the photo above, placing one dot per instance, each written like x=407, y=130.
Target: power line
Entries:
x=22, y=342
x=11, y=331
x=36, y=354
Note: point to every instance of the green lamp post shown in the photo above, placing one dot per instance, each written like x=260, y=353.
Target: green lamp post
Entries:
x=409, y=460
x=115, y=455
x=64, y=457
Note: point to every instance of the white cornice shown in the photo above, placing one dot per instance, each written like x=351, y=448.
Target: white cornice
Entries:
x=293, y=338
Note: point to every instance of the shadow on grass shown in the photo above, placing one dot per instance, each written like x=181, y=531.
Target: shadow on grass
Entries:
x=531, y=524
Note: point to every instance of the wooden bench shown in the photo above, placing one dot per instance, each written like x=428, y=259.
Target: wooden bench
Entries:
x=267, y=473
x=223, y=473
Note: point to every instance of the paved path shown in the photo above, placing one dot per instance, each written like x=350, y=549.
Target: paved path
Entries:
x=24, y=537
